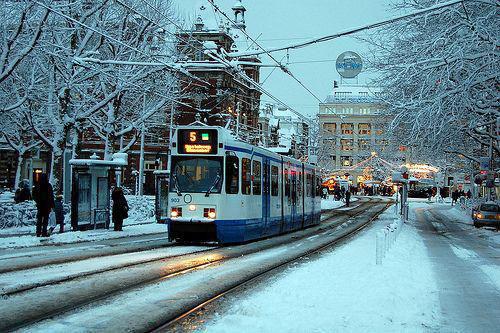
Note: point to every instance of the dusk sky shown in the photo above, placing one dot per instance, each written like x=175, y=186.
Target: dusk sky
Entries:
x=282, y=22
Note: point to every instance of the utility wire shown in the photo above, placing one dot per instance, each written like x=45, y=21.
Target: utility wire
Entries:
x=351, y=31
x=281, y=66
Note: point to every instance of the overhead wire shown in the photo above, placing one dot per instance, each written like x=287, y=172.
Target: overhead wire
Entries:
x=281, y=66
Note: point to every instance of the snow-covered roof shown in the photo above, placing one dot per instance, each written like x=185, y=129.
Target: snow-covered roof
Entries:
x=238, y=6
x=354, y=93
x=118, y=159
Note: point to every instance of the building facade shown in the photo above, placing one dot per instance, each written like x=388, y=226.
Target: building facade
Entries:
x=353, y=127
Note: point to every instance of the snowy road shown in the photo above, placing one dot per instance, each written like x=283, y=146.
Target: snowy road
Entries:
x=85, y=293
x=467, y=269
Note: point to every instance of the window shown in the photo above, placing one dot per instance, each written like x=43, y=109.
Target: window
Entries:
x=308, y=185
x=257, y=181
x=346, y=160
x=364, y=144
x=330, y=127
x=346, y=128
x=346, y=144
x=274, y=181
x=232, y=174
x=196, y=174
x=364, y=129
x=318, y=187
x=299, y=184
x=246, y=176
x=287, y=183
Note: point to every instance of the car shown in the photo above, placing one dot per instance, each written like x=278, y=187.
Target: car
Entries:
x=486, y=214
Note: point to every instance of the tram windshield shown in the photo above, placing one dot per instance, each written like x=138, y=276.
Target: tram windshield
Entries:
x=196, y=174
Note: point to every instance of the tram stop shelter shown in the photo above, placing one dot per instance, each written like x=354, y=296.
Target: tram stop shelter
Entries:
x=161, y=198
x=90, y=190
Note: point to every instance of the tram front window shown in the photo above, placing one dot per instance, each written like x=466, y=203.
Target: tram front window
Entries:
x=196, y=174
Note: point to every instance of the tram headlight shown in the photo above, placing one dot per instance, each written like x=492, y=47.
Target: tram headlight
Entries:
x=176, y=212
x=209, y=213
x=192, y=207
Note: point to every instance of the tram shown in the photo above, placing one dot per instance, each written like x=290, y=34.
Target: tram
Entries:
x=228, y=191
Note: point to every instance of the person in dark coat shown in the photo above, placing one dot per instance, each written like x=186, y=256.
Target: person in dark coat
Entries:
x=44, y=198
x=120, y=208
x=59, y=211
x=347, y=198
x=23, y=193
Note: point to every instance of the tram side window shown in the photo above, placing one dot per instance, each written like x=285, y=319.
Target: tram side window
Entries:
x=257, y=179
x=287, y=184
x=318, y=187
x=299, y=184
x=274, y=181
x=246, y=176
x=313, y=186
x=232, y=174
x=308, y=185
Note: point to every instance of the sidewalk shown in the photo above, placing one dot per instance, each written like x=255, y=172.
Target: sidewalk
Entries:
x=81, y=236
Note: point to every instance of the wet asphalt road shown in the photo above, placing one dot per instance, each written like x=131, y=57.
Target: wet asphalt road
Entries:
x=463, y=263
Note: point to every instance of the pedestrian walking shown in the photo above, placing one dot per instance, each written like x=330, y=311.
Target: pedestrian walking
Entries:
x=44, y=198
x=469, y=194
x=120, y=208
x=59, y=212
x=454, y=197
x=347, y=198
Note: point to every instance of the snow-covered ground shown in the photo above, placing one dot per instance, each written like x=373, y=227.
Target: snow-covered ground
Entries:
x=345, y=291
x=330, y=203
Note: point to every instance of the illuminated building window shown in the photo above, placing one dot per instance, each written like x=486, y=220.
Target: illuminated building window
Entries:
x=347, y=128
x=346, y=161
x=330, y=127
x=346, y=144
x=364, y=129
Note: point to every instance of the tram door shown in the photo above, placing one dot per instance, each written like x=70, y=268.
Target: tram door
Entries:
x=266, y=199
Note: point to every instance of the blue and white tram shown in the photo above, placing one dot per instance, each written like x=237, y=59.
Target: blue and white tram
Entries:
x=229, y=191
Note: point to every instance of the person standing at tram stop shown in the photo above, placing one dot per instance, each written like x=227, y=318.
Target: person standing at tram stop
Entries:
x=44, y=198
x=347, y=197
x=120, y=208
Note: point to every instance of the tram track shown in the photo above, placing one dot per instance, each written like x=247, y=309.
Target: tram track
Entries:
x=73, y=293
x=10, y=291
x=177, y=320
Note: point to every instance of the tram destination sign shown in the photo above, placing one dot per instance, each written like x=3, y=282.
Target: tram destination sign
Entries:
x=197, y=141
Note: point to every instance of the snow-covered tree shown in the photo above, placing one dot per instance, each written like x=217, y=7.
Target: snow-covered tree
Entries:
x=440, y=74
x=17, y=133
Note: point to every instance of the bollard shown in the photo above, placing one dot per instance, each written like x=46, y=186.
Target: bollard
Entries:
x=380, y=248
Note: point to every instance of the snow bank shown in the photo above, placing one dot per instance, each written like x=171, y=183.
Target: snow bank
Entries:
x=142, y=209
x=345, y=291
x=330, y=203
x=14, y=215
